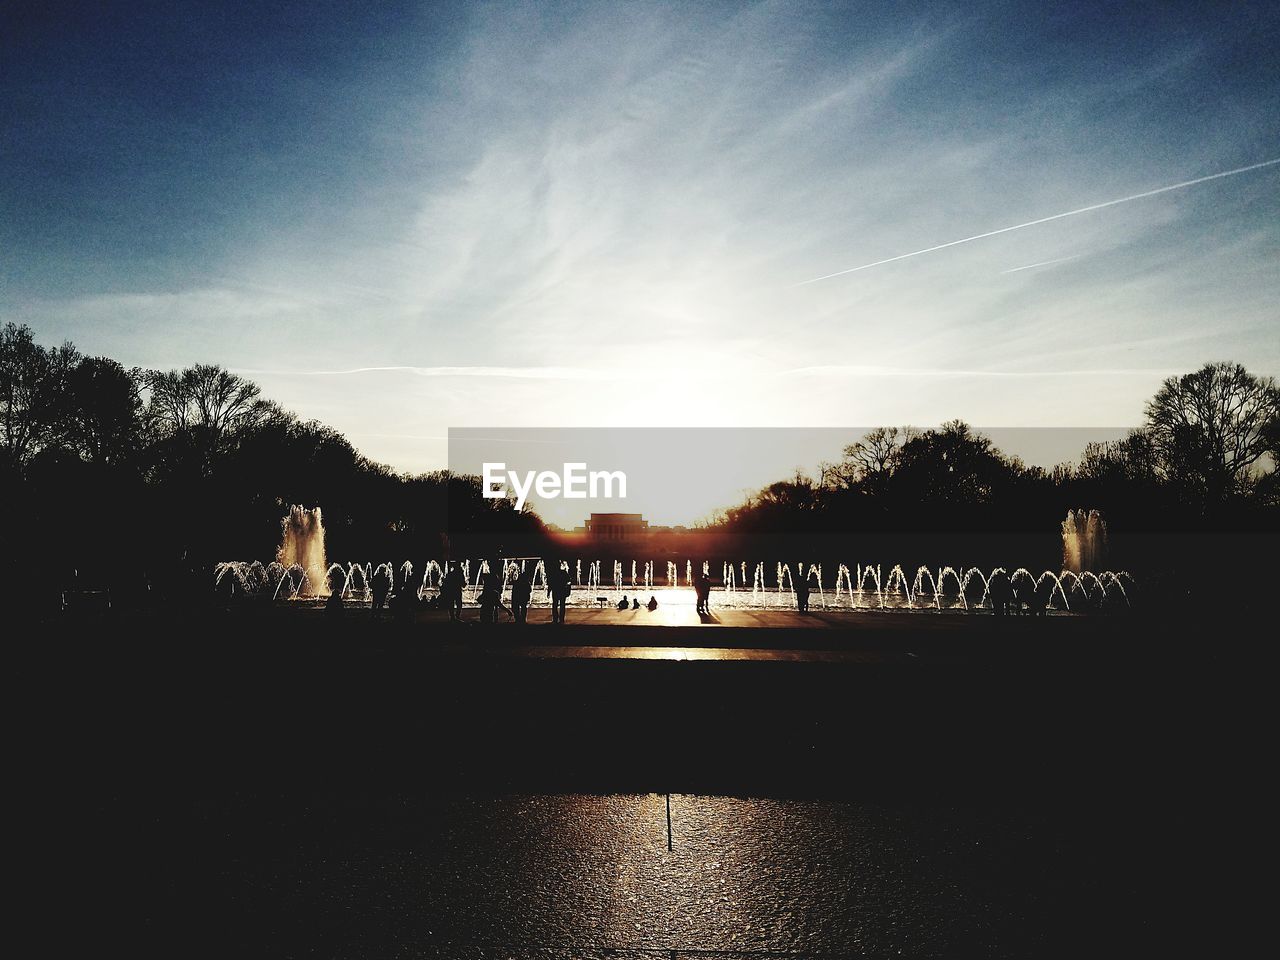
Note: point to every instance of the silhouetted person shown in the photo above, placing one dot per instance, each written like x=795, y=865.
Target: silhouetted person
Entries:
x=802, y=591
x=404, y=601
x=334, y=607
x=559, y=586
x=381, y=588
x=451, y=588
x=1024, y=596
x=1038, y=600
x=1000, y=592
x=652, y=604
x=521, y=592
x=635, y=603
x=624, y=603
x=490, y=595
x=973, y=593
x=702, y=587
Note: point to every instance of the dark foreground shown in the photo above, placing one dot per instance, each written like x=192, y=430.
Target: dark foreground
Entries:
x=262, y=786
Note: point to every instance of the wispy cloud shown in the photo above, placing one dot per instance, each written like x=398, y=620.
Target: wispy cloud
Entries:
x=857, y=370
x=511, y=373
x=600, y=220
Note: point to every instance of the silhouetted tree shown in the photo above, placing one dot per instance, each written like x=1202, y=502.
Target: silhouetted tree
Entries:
x=950, y=466
x=787, y=505
x=1210, y=427
x=33, y=393
x=198, y=413
x=870, y=462
x=1131, y=460
x=104, y=411
x=1268, y=486
x=205, y=397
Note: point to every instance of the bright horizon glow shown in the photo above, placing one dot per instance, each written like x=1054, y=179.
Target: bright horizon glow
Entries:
x=682, y=476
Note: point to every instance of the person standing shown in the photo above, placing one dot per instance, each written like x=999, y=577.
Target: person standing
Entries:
x=404, y=602
x=381, y=588
x=559, y=587
x=702, y=586
x=1000, y=592
x=521, y=592
x=802, y=590
x=333, y=607
x=451, y=592
x=491, y=593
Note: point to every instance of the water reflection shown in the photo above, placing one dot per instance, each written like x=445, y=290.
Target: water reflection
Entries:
x=585, y=875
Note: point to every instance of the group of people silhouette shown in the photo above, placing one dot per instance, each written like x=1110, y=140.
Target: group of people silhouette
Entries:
x=383, y=592
x=1006, y=595
x=1023, y=595
x=491, y=584
x=402, y=598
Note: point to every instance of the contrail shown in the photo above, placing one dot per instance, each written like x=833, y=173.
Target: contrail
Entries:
x=1042, y=263
x=1056, y=216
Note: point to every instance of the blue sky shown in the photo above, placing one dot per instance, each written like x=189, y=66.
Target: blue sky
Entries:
x=399, y=218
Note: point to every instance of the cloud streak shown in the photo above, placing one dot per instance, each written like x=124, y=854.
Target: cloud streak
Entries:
x=854, y=370
x=508, y=373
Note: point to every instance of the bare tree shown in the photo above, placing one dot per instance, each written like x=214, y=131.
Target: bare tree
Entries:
x=1209, y=428
x=1128, y=460
x=206, y=398
x=872, y=458
x=205, y=407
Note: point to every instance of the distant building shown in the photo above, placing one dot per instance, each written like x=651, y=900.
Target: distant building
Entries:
x=617, y=526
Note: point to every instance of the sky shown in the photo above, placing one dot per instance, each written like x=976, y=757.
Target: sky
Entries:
x=399, y=218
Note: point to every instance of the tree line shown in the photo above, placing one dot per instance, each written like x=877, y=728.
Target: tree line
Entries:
x=1196, y=480
x=113, y=475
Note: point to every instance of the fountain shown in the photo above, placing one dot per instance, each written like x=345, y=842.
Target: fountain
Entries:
x=1084, y=541
x=302, y=548
x=300, y=573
